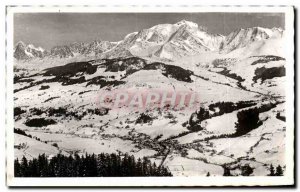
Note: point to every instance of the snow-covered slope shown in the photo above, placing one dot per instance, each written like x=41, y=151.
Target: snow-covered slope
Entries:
x=32, y=148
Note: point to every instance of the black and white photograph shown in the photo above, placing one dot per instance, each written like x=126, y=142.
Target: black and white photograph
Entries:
x=150, y=97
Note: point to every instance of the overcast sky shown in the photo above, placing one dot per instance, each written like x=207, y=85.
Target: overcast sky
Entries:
x=50, y=29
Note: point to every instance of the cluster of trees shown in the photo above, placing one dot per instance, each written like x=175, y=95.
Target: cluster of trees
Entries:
x=196, y=118
x=247, y=170
x=103, y=82
x=21, y=132
x=178, y=135
x=68, y=81
x=268, y=73
x=278, y=172
x=18, y=111
x=102, y=165
x=61, y=111
x=130, y=65
x=175, y=72
x=228, y=73
x=144, y=118
x=223, y=107
x=98, y=111
x=247, y=121
x=228, y=107
x=71, y=69
x=278, y=116
x=39, y=122
x=19, y=79
x=43, y=87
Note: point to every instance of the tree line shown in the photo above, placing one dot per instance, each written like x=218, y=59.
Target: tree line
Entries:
x=247, y=170
x=218, y=109
x=102, y=165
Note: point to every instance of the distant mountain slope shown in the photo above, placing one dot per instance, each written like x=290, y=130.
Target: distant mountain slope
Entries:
x=24, y=52
x=245, y=37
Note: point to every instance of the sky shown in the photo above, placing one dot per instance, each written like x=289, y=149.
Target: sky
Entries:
x=51, y=29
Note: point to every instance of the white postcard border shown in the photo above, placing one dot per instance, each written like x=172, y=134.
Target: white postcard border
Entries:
x=288, y=179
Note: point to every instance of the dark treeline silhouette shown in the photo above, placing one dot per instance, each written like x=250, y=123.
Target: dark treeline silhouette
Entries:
x=228, y=107
x=102, y=165
x=196, y=118
x=21, y=132
x=39, y=122
x=279, y=171
x=247, y=121
x=247, y=170
x=218, y=109
x=231, y=75
x=264, y=73
x=18, y=111
x=63, y=112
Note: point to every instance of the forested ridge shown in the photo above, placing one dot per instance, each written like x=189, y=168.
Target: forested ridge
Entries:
x=102, y=165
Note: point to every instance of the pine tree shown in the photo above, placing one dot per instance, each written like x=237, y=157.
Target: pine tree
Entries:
x=226, y=171
x=279, y=171
x=125, y=165
x=51, y=168
x=132, y=166
x=146, y=169
x=139, y=167
x=272, y=171
x=93, y=166
x=102, y=165
x=154, y=169
x=33, y=169
x=246, y=170
x=17, y=168
x=24, y=167
x=42, y=165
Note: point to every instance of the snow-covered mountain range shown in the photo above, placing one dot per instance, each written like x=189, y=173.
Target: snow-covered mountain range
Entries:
x=167, y=41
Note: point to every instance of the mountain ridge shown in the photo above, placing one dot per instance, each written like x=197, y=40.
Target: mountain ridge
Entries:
x=168, y=41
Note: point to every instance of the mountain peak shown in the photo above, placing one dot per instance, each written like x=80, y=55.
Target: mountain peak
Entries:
x=187, y=23
x=20, y=43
